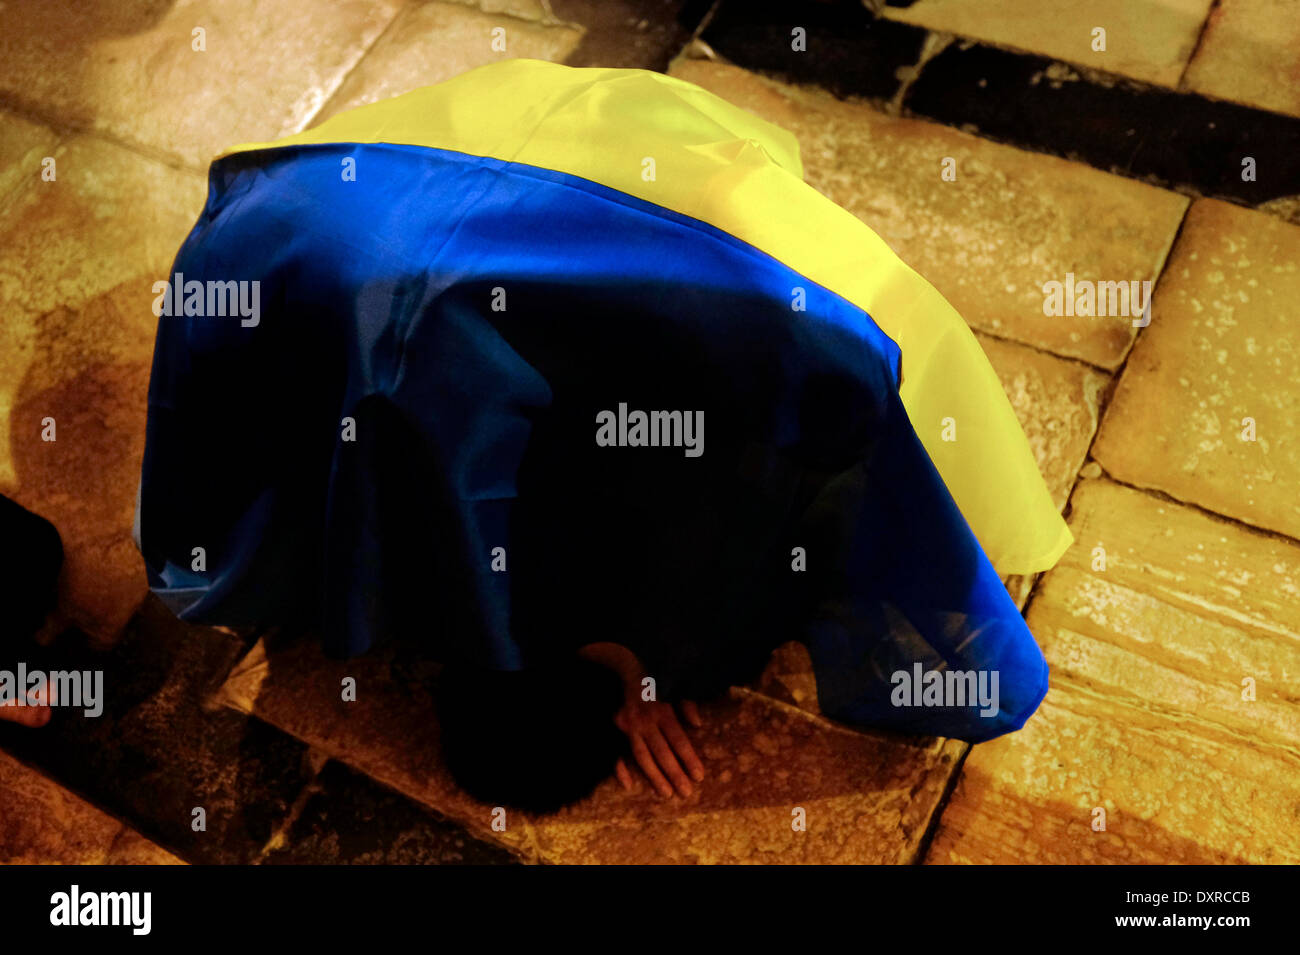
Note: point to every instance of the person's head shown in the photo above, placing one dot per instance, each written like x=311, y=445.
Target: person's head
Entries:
x=535, y=739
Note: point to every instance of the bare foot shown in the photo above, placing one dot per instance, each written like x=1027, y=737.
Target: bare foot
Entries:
x=36, y=713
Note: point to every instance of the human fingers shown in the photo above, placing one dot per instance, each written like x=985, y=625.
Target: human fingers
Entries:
x=667, y=760
x=692, y=713
x=641, y=752
x=681, y=744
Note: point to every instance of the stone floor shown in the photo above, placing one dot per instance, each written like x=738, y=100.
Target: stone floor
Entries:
x=1172, y=625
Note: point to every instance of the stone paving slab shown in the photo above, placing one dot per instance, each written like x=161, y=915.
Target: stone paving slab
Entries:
x=1222, y=347
x=1250, y=54
x=349, y=819
x=78, y=258
x=1149, y=40
x=868, y=798
x=843, y=47
x=389, y=733
x=630, y=34
x=432, y=42
x=130, y=68
x=1173, y=138
x=1057, y=403
x=43, y=823
x=23, y=144
x=1145, y=717
x=158, y=750
x=989, y=240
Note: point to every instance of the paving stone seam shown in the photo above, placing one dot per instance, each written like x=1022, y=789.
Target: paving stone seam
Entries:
x=1165, y=496
x=125, y=824
x=1231, y=739
x=1100, y=93
x=66, y=132
x=945, y=797
x=280, y=832
x=550, y=21
x=473, y=827
x=1107, y=81
x=1196, y=47
x=326, y=100
x=1105, y=398
x=1074, y=359
x=699, y=31
x=917, y=855
x=936, y=41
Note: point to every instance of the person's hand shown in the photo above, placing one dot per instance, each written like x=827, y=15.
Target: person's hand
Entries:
x=659, y=745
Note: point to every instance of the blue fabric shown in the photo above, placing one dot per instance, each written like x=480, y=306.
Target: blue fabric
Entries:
x=475, y=429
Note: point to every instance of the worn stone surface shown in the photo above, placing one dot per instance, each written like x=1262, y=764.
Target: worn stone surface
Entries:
x=78, y=258
x=632, y=34
x=1145, y=717
x=130, y=68
x=837, y=45
x=1250, y=54
x=524, y=9
x=989, y=240
x=1148, y=40
x=43, y=823
x=432, y=42
x=1221, y=348
x=871, y=796
x=389, y=732
x=158, y=750
x=1181, y=140
x=351, y=820
x=23, y=144
x=1057, y=403
x=865, y=798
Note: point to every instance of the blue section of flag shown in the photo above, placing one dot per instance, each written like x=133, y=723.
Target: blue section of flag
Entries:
x=433, y=346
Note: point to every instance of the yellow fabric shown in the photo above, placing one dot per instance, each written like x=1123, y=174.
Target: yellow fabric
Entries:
x=719, y=164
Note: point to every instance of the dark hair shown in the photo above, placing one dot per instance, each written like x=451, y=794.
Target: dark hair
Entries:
x=532, y=739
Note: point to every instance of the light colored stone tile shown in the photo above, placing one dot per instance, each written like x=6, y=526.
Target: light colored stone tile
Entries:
x=1170, y=795
x=43, y=823
x=23, y=145
x=78, y=257
x=1222, y=347
x=131, y=848
x=1188, y=606
x=1250, y=54
x=988, y=241
x=524, y=9
x=131, y=69
x=868, y=798
x=1148, y=40
x=1057, y=404
x=432, y=42
x=1145, y=717
x=389, y=732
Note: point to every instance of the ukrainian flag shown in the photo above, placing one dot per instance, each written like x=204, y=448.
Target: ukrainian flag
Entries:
x=396, y=431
